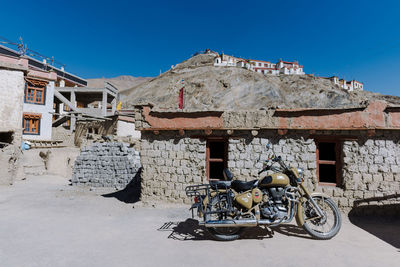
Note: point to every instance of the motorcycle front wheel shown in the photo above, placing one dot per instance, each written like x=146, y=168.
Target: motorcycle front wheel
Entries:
x=221, y=233
x=327, y=226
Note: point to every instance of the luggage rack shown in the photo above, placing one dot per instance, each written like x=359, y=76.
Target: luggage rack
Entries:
x=204, y=190
x=197, y=190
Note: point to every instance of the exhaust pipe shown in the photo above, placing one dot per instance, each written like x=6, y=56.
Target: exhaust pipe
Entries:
x=230, y=223
x=235, y=223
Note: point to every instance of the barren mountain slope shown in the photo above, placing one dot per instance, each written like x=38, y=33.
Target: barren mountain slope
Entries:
x=229, y=88
x=123, y=82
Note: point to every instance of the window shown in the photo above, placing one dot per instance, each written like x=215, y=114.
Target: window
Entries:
x=216, y=157
x=329, y=162
x=31, y=123
x=35, y=91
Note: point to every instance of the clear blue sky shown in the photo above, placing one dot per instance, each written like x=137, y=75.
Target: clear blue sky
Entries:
x=352, y=39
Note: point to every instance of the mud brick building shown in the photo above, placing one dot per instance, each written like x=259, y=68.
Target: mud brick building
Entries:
x=351, y=154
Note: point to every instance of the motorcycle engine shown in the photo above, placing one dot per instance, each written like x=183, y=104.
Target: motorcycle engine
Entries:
x=273, y=206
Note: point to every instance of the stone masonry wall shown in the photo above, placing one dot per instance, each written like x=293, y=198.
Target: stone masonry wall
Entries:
x=370, y=167
x=170, y=163
x=371, y=171
x=106, y=165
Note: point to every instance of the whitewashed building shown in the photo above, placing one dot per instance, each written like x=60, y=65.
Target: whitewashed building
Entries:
x=286, y=67
x=225, y=60
x=347, y=85
x=260, y=66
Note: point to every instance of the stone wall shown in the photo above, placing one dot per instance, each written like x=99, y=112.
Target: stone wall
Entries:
x=371, y=175
x=106, y=165
x=170, y=163
x=370, y=167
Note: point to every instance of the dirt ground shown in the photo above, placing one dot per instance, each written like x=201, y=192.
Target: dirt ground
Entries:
x=45, y=222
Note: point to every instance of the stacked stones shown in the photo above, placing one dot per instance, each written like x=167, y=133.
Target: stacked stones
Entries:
x=246, y=155
x=371, y=172
x=171, y=164
x=370, y=166
x=106, y=165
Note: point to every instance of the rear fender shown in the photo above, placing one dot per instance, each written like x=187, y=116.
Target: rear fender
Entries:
x=299, y=215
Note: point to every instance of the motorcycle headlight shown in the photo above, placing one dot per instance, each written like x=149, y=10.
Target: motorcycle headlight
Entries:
x=300, y=172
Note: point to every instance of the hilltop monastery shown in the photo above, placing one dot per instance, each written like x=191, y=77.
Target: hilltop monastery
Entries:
x=281, y=67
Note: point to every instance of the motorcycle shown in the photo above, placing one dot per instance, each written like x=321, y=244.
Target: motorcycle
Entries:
x=227, y=206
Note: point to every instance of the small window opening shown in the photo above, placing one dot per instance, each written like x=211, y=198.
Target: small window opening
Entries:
x=328, y=162
x=216, y=159
x=6, y=138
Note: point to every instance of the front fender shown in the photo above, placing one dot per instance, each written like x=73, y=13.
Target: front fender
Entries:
x=299, y=214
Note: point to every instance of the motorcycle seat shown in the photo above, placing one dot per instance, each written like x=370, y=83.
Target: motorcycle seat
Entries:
x=240, y=186
x=220, y=184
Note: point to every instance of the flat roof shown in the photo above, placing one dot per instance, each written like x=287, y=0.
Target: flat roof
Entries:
x=40, y=65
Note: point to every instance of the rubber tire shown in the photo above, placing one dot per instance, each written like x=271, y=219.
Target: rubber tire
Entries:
x=221, y=237
x=335, y=229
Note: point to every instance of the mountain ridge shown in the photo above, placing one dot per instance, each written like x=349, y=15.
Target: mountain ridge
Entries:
x=232, y=88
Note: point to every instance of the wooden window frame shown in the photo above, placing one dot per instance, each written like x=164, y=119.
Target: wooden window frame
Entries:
x=208, y=159
x=33, y=119
x=337, y=162
x=36, y=86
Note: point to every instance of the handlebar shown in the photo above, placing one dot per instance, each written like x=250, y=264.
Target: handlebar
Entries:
x=269, y=167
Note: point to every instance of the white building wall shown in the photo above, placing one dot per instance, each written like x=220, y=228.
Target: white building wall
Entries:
x=12, y=86
x=47, y=118
x=127, y=129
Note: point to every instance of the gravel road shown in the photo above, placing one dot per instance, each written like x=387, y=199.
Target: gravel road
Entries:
x=45, y=222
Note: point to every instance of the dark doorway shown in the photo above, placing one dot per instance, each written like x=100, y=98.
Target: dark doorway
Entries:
x=6, y=138
x=217, y=158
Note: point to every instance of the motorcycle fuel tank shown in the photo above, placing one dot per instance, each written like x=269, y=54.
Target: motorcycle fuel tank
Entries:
x=245, y=199
x=257, y=195
x=275, y=179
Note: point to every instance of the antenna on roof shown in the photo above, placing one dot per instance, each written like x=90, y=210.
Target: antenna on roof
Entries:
x=22, y=47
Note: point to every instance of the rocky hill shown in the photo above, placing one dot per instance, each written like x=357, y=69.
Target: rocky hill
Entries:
x=231, y=88
x=122, y=82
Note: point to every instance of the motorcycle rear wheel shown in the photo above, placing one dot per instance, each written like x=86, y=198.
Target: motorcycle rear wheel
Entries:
x=322, y=228
x=221, y=233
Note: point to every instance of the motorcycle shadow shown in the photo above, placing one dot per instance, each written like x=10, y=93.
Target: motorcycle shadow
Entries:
x=291, y=230
x=191, y=230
